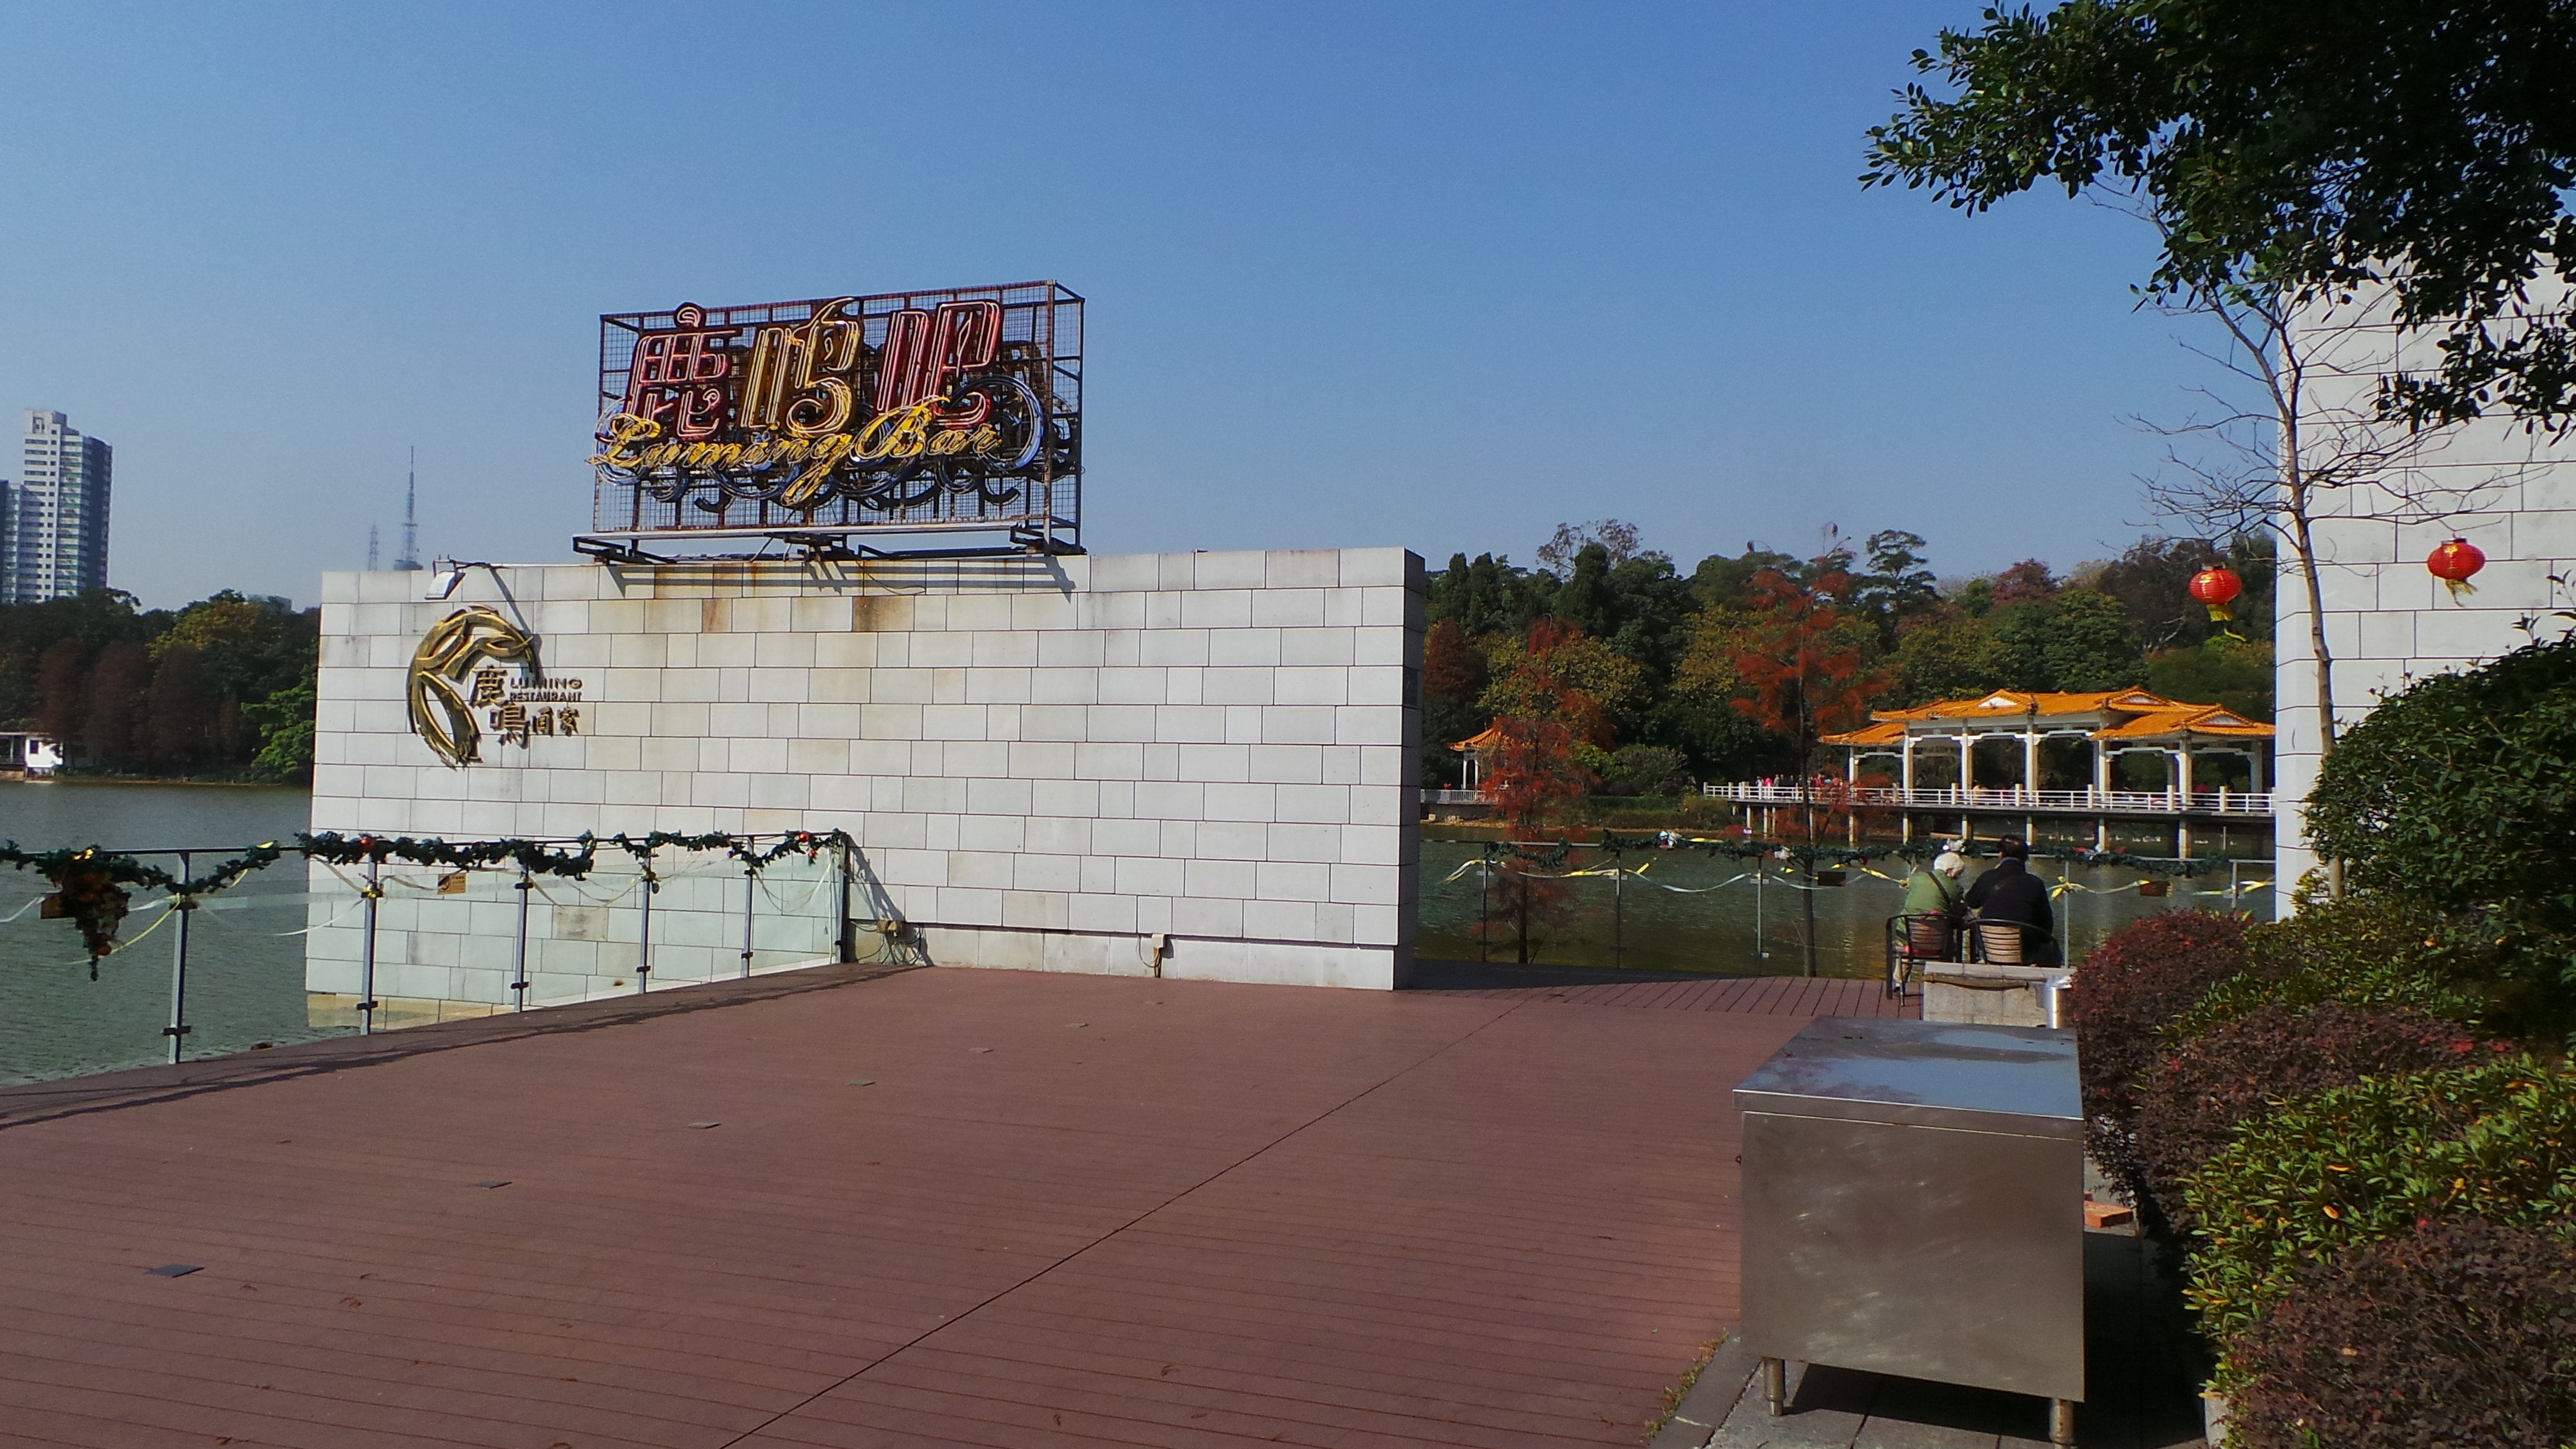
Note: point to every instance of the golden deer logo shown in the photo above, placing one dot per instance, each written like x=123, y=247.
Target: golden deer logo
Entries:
x=442, y=710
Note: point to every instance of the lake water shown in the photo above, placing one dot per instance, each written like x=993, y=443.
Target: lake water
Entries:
x=1693, y=912
x=245, y=958
x=246, y=950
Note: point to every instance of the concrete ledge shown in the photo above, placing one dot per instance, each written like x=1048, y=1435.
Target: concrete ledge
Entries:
x=2014, y=997
x=1183, y=958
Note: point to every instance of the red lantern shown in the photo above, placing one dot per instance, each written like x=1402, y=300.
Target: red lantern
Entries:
x=2453, y=563
x=2217, y=587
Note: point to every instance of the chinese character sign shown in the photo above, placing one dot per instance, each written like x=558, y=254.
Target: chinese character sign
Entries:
x=957, y=408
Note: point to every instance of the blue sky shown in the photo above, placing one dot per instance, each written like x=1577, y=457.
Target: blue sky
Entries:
x=1430, y=275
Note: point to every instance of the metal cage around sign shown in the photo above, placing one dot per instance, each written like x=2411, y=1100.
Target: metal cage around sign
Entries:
x=839, y=423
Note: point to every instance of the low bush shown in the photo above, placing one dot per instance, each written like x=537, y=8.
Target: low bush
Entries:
x=2369, y=951
x=2371, y=1162
x=2192, y=1103
x=2458, y=1334
x=2138, y=979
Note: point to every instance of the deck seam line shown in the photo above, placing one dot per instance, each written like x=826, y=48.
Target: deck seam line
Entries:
x=1230, y=1168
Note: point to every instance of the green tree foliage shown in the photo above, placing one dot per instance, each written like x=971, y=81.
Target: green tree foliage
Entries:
x=2152, y=581
x=285, y=724
x=1453, y=686
x=2311, y=147
x=2222, y=671
x=1489, y=596
x=2087, y=645
x=2460, y=791
x=1897, y=584
x=151, y=691
x=1953, y=655
x=2024, y=628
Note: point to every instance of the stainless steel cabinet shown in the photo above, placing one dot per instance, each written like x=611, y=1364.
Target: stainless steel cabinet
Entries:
x=1914, y=1204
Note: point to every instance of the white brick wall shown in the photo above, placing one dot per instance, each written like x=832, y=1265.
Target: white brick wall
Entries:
x=2389, y=621
x=1045, y=760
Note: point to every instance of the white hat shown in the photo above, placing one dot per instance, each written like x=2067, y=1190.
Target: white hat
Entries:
x=1951, y=862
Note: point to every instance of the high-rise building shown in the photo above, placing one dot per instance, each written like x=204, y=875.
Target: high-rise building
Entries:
x=53, y=520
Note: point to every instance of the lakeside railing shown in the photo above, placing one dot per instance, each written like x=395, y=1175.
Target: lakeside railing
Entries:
x=570, y=913
x=2235, y=803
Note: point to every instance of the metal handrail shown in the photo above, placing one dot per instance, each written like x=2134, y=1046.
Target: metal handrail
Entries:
x=2008, y=797
x=373, y=891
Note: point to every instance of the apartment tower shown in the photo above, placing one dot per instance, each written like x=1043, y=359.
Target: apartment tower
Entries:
x=53, y=520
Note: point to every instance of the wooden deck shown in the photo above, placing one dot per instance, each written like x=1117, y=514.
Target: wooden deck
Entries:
x=1061, y=1210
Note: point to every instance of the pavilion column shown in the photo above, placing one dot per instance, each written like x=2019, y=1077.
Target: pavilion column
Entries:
x=2184, y=772
x=1905, y=769
x=2101, y=774
x=2254, y=770
x=2030, y=764
x=1967, y=763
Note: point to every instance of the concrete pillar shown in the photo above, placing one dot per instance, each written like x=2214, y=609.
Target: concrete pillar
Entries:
x=1967, y=763
x=1905, y=770
x=2101, y=773
x=2182, y=772
x=2030, y=763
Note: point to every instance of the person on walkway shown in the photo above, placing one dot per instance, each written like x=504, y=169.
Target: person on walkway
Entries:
x=2009, y=892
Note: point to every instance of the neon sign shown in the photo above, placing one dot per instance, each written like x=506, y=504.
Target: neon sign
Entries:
x=905, y=412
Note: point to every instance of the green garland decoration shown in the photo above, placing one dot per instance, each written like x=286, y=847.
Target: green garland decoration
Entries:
x=94, y=887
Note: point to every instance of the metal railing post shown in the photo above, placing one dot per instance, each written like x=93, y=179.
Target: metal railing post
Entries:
x=178, y=1028
x=846, y=939
x=644, y=934
x=1618, y=911
x=367, y=953
x=750, y=901
x=519, y=956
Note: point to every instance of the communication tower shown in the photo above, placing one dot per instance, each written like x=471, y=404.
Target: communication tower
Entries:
x=409, y=559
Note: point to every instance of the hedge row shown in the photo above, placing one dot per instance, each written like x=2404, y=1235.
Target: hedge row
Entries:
x=2308, y=1106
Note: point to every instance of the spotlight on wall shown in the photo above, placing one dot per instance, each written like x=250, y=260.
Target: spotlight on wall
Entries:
x=446, y=574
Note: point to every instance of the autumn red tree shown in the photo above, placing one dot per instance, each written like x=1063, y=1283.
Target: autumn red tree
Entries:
x=116, y=688
x=62, y=689
x=1534, y=771
x=180, y=715
x=1805, y=667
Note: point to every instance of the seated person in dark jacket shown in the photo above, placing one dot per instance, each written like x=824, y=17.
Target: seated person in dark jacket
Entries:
x=2009, y=892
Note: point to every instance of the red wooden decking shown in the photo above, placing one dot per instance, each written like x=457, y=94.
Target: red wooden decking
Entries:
x=1068, y=1211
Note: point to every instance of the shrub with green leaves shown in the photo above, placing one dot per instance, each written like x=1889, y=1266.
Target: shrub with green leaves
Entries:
x=2382, y=952
x=2370, y=1162
x=2460, y=790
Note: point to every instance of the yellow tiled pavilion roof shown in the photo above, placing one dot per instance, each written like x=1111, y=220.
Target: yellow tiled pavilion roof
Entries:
x=2189, y=719
x=2133, y=714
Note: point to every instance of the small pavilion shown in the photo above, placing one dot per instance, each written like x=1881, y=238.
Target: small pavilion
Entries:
x=2043, y=753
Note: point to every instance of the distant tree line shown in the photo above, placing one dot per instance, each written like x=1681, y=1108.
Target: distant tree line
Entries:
x=222, y=689
x=1718, y=674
